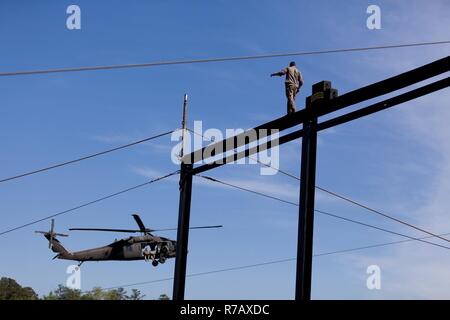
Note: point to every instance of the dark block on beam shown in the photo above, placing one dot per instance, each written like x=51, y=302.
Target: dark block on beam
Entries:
x=326, y=95
x=331, y=94
x=321, y=86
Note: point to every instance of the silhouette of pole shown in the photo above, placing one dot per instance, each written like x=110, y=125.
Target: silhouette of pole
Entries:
x=182, y=232
x=184, y=212
x=322, y=92
x=183, y=125
x=306, y=210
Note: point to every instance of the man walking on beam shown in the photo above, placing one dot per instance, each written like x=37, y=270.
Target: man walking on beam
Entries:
x=293, y=83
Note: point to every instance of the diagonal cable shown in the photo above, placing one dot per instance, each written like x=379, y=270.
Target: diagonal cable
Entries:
x=84, y=157
x=89, y=203
x=220, y=59
x=349, y=200
x=320, y=211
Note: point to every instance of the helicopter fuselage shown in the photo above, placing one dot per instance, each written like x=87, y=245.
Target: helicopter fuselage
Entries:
x=147, y=247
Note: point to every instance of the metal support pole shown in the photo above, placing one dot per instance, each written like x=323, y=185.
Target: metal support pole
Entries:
x=184, y=212
x=183, y=126
x=306, y=211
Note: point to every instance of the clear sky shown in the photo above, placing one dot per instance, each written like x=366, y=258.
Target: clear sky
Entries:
x=396, y=161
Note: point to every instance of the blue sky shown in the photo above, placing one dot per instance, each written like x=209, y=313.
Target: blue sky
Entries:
x=396, y=161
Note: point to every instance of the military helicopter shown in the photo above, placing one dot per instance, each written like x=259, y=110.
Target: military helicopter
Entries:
x=147, y=247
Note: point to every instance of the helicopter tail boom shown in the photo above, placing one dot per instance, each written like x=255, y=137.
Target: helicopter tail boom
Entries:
x=54, y=243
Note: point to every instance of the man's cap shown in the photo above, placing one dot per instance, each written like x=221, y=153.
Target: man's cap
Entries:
x=292, y=63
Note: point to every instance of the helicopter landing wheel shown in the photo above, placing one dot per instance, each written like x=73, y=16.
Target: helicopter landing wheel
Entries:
x=154, y=263
x=162, y=260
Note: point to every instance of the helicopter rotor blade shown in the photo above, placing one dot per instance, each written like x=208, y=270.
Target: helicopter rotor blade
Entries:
x=141, y=225
x=55, y=234
x=207, y=227
x=201, y=227
x=135, y=231
x=50, y=239
x=102, y=229
x=61, y=234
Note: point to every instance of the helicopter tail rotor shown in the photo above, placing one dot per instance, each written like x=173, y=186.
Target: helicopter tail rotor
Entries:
x=50, y=235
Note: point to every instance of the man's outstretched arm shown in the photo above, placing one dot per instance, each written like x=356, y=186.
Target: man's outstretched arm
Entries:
x=279, y=74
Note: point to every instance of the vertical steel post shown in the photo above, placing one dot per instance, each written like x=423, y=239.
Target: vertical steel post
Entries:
x=184, y=212
x=306, y=211
x=183, y=126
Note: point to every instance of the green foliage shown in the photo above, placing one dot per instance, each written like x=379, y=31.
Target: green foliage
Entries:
x=64, y=293
x=11, y=290
x=135, y=295
x=163, y=297
x=95, y=294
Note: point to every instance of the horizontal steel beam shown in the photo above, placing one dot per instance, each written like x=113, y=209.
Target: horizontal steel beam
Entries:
x=248, y=152
x=356, y=96
x=385, y=104
x=237, y=141
x=379, y=106
x=383, y=87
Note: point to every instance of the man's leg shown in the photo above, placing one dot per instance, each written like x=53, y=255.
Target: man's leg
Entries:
x=294, y=94
x=287, y=97
x=291, y=99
